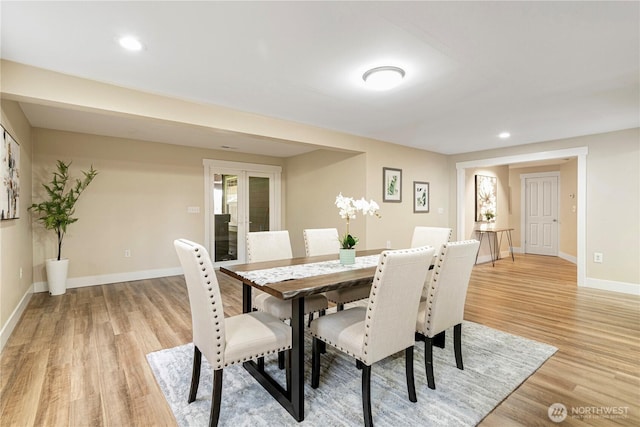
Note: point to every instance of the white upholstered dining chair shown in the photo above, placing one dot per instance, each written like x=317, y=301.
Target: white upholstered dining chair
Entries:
x=446, y=295
x=271, y=246
x=326, y=241
x=223, y=341
x=382, y=328
x=430, y=236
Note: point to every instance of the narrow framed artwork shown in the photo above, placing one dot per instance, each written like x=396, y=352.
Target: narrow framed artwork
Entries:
x=391, y=185
x=486, y=198
x=420, y=197
x=9, y=177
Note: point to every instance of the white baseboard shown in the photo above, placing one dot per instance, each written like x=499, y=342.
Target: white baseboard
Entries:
x=80, y=282
x=572, y=259
x=8, y=327
x=610, y=285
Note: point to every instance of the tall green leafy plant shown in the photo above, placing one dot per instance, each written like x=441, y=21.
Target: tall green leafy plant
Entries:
x=56, y=212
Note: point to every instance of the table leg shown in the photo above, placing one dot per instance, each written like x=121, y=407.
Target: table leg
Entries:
x=510, y=245
x=479, y=246
x=297, y=358
x=291, y=399
x=246, y=298
x=493, y=261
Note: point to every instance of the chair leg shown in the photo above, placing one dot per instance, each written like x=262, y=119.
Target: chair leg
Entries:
x=438, y=339
x=310, y=319
x=457, y=344
x=366, y=395
x=428, y=362
x=216, y=395
x=261, y=364
x=281, y=360
x=195, y=374
x=340, y=307
x=411, y=385
x=315, y=363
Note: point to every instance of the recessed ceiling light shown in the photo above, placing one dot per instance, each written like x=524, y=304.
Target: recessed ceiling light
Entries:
x=504, y=135
x=383, y=78
x=130, y=43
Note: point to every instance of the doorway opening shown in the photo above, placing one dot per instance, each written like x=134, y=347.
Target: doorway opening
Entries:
x=240, y=198
x=580, y=153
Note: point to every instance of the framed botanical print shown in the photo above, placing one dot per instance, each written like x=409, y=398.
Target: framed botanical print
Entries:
x=420, y=197
x=391, y=185
x=9, y=176
x=486, y=198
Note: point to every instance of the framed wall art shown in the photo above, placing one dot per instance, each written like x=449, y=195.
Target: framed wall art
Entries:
x=486, y=198
x=420, y=197
x=9, y=177
x=391, y=185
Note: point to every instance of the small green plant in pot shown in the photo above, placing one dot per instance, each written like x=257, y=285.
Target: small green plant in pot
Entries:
x=56, y=213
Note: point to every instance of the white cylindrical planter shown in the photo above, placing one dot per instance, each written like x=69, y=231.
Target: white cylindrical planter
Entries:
x=57, y=275
x=347, y=256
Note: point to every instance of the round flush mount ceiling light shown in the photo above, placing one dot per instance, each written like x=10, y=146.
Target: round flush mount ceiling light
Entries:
x=130, y=43
x=383, y=78
x=504, y=135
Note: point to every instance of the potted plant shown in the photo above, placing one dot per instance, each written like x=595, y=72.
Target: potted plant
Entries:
x=348, y=207
x=56, y=213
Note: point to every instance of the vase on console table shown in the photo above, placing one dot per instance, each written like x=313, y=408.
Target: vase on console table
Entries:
x=347, y=256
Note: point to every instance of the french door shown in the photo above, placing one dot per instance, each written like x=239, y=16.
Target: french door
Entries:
x=241, y=197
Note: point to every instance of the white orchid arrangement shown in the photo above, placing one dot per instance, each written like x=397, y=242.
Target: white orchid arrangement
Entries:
x=347, y=208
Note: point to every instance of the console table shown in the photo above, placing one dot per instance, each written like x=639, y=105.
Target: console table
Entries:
x=495, y=242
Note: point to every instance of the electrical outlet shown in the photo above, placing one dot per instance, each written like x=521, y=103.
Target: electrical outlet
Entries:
x=21, y=272
x=127, y=253
x=193, y=209
x=597, y=257
x=388, y=244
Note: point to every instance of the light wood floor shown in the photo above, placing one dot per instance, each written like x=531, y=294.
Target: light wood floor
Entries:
x=79, y=359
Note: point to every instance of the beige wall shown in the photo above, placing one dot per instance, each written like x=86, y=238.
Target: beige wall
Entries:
x=138, y=201
x=568, y=208
x=612, y=198
x=398, y=220
x=15, y=235
x=314, y=180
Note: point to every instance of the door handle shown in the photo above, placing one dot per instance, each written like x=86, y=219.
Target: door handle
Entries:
x=555, y=220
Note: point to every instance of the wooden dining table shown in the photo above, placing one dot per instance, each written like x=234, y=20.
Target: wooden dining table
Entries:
x=294, y=290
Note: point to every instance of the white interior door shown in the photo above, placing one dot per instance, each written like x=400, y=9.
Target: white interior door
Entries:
x=241, y=198
x=541, y=214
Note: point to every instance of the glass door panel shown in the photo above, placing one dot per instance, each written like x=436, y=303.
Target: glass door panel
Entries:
x=259, y=199
x=225, y=212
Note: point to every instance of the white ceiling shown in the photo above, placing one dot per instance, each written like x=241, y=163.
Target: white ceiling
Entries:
x=541, y=70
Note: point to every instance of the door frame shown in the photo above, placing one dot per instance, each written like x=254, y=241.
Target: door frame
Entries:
x=523, y=203
x=581, y=203
x=212, y=166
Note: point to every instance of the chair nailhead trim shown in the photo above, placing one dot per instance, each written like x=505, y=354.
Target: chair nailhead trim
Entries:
x=246, y=358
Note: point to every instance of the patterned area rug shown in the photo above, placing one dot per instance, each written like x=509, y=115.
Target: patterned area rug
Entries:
x=495, y=364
